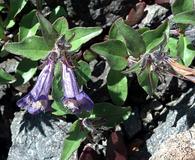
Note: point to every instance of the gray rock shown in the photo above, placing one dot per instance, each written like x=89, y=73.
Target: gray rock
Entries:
x=190, y=34
x=97, y=12
x=2, y=90
x=37, y=137
x=155, y=14
x=100, y=71
x=180, y=117
x=9, y=65
x=177, y=147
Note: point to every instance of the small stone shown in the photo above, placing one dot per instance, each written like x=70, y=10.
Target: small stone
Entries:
x=9, y=65
x=148, y=118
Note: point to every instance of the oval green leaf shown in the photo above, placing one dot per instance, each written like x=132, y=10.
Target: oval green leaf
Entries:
x=117, y=87
x=82, y=35
x=132, y=38
x=25, y=71
x=28, y=25
x=61, y=26
x=180, y=6
x=148, y=80
x=76, y=135
x=88, y=55
x=34, y=48
x=114, y=51
x=49, y=33
x=172, y=46
x=83, y=72
x=185, y=52
x=57, y=91
x=111, y=114
x=187, y=17
x=59, y=109
x=153, y=38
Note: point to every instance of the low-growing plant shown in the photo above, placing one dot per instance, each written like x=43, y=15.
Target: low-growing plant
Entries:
x=150, y=54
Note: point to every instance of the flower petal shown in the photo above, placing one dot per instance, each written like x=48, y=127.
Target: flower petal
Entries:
x=69, y=83
x=72, y=105
x=85, y=102
x=37, y=99
x=24, y=101
x=44, y=81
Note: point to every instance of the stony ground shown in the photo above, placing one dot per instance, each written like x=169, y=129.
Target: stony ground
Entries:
x=157, y=129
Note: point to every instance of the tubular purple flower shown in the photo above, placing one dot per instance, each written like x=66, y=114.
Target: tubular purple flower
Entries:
x=74, y=99
x=37, y=99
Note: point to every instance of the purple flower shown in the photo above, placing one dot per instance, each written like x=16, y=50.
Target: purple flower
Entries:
x=74, y=99
x=37, y=99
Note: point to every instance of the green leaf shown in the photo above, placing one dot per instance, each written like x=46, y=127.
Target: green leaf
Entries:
x=83, y=72
x=2, y=6
x=1, y=32
x=49, y=33
x=5, y=77
x=185, y=52
x=76, y=135
x=132, y=38
x=142, y=30
x=61, y=26
x=82, y=35
x=172, y=46
x=56, y=13
x=134, y=68
x=88, y=55
x=187, y=17
x=33, y=48
x=182, y=6
x=117, y=87
x=111, y=114
x=114, y=33
x=153, y=38
x=57, y=91
x=114, y=51
x=148, y=80
x=14, y=9
x=3, y=52
x=10, y=24
x=28, y=25
x=25, y=71
x=59, y=109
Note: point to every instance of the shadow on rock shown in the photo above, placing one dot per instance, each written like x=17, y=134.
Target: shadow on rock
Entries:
x=30, y=121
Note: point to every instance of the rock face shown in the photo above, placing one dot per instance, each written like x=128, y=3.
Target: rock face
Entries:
x=155, y=14
x=97, y=12
x=37, y=137
x=178, y=147
x=180, y=117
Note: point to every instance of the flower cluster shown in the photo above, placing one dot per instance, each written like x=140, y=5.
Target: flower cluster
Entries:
x=74, y=99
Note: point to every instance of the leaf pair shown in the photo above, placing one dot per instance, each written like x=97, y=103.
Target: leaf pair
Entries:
x=184, y=12
x=35, y=48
